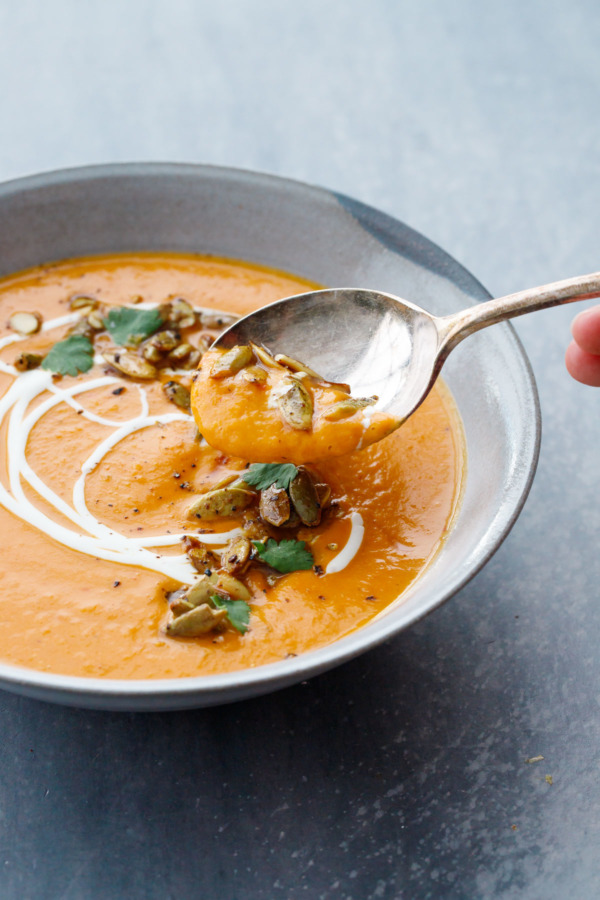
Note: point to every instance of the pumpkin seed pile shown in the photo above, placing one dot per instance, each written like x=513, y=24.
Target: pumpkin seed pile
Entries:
x=291, y=395
x=269, y=512
x=195, y=611
x=143, y=357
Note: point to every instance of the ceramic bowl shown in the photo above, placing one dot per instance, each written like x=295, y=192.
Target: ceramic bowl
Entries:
x=330, y=239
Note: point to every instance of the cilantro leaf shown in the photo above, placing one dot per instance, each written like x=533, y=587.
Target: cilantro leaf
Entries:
x=238, y=611
x=131, y=326
x=285, y=556
x=263, y=475
x=74, y=354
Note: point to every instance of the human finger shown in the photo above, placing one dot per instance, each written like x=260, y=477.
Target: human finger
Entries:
x=583, y=366
x=586, y=330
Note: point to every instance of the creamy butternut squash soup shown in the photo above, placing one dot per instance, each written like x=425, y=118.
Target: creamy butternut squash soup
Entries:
x=131, y=547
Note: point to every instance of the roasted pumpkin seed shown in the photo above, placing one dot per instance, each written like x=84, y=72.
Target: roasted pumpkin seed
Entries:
x=85, y=310
x=196, y=622
x=303, y=495
x=193, y=360
x=96, y=321
x=83, y=302
x=231, y=361
x=324, y=494
x=130, y=364
x=223, y=482
x=27, y=361
x=201, y=590
x=207, y=585
x=181, y=307
x=152, y=353
x=236, y=555
x=205, y=341
x=296, y=366
x=182, y=313
x=177, y=393
x=221, y=502
x=179, y=606
x=255, y=529
x=295, y=404
x=263, y=355
x=82, y=326
x=165, y=310
x=181, y=352
x=25, y=323
x=274, y=507
x=254, y=374
x=201, y=558
x=227, y=584
x=217, y=320
x=198, y=554
x=165, y=341
x=293, y=521
x=343, y=409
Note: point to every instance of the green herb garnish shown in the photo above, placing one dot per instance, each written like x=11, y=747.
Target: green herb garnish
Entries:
x=285, y=556
x=238, y=611
x=263, y=475
x=128, y=326
x=69, y=357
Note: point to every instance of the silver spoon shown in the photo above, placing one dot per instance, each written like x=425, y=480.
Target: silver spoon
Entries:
x=380, y=344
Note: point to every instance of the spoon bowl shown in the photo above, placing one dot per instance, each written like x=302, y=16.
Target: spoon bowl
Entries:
x=380, y=344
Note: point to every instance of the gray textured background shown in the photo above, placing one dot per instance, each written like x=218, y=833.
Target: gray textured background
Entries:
x=402, y=774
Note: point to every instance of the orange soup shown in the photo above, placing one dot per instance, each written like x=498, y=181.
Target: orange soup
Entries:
x=274, y=409
x=125, y=534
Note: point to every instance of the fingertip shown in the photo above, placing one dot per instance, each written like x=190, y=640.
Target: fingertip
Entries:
x=585, y=329
x=583, y=366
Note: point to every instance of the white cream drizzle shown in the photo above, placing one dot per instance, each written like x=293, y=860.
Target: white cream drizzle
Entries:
x=351, y=547
x=91, y=536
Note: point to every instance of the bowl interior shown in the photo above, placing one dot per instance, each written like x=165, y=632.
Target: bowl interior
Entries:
x=332, y=240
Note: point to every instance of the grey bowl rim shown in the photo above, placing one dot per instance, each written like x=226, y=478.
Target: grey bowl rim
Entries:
x=90, y=692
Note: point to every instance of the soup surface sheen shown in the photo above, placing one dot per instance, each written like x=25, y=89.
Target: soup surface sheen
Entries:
x=98, y=471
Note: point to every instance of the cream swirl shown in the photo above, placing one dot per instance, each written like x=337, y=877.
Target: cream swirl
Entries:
x=90, y=536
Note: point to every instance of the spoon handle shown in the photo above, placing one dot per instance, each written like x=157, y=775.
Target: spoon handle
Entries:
x=457, y=326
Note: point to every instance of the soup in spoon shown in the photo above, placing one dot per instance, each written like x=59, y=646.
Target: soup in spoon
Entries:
x=274, y=408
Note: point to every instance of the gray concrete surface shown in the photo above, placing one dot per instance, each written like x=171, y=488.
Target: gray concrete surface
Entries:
x=402, y=774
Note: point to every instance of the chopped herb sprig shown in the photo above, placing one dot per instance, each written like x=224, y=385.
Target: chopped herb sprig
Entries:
x=238, y=611
x=285, y=556
x=129, y=327
x=69, y=357
x=263, y=475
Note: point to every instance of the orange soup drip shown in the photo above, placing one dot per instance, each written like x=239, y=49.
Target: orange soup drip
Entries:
x=66, y=611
